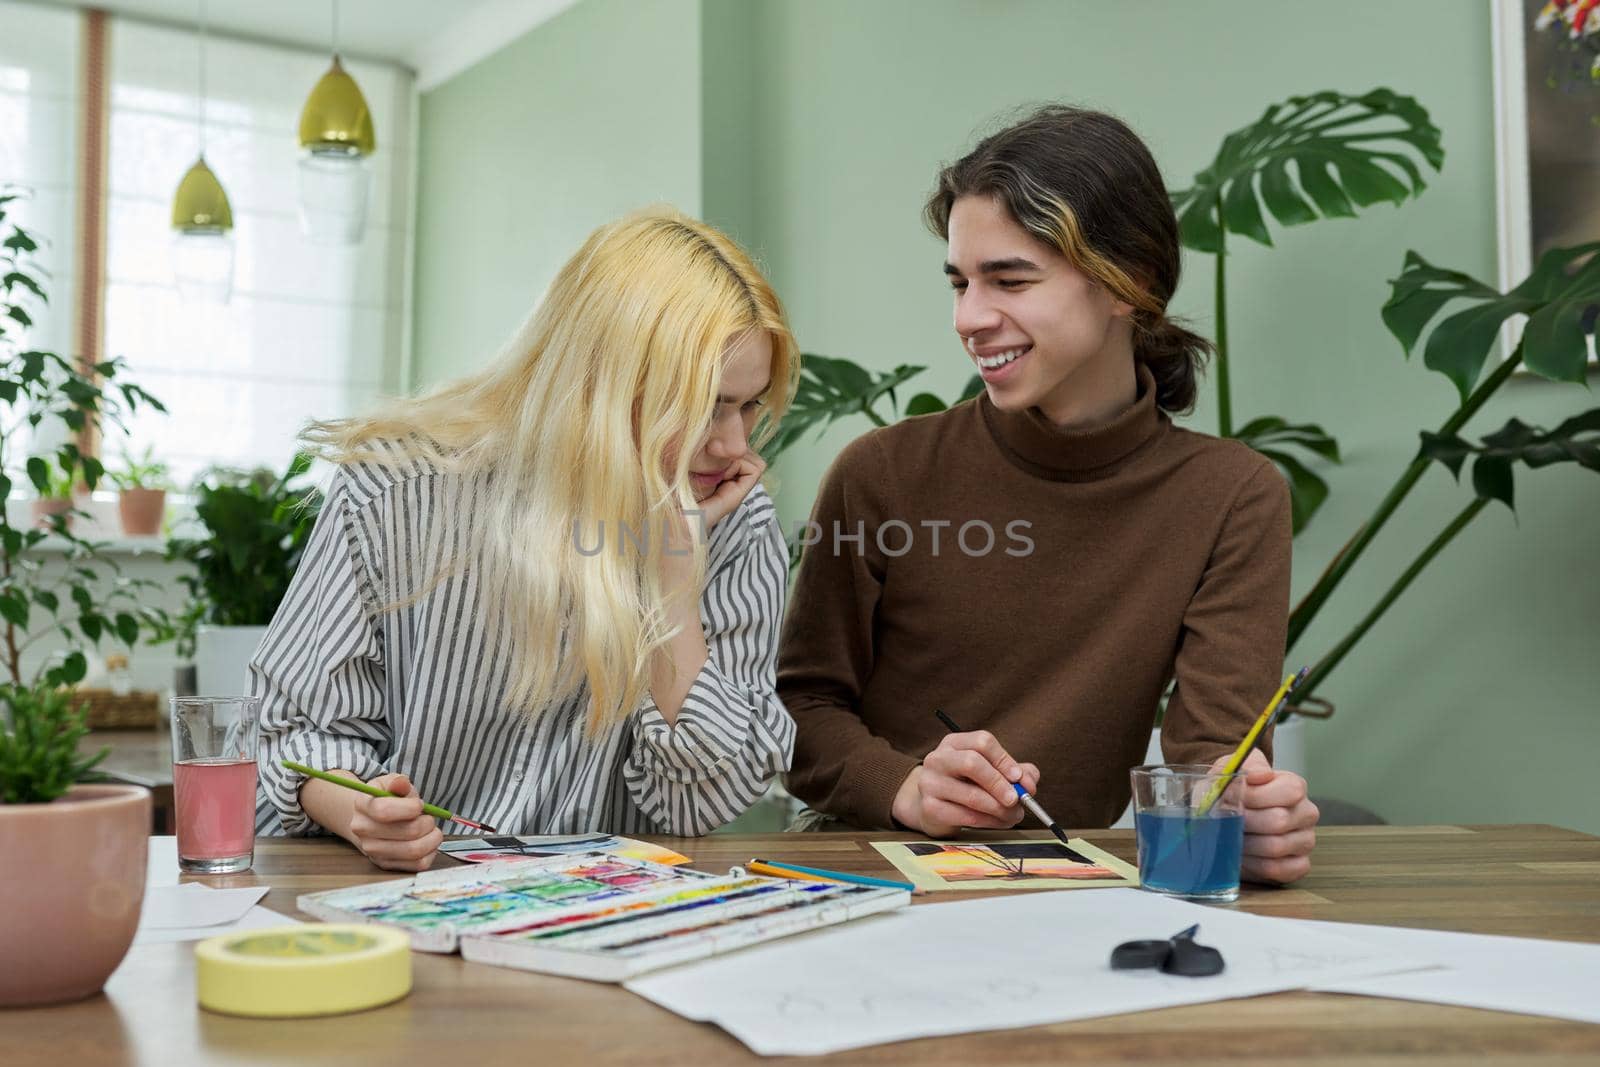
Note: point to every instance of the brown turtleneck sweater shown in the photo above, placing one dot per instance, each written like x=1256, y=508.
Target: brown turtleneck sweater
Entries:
x=1122, y=557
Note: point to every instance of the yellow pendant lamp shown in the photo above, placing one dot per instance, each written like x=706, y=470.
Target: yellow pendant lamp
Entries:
x=202, y=219
x=201, y=204
x=336, y=138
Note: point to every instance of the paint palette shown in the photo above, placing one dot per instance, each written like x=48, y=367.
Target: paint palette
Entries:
x=596, y=915
x=436, y=906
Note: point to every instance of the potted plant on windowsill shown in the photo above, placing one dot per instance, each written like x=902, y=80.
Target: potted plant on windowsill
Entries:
x=142, y=486
x=55, y=499
x=74, y=876
x=256, y=524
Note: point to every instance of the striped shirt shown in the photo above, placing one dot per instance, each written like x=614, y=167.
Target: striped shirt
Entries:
x=417, y=690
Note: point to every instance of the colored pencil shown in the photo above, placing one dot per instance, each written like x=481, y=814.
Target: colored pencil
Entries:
x=1248, y=745
x=1022, y=794
x=817, y=874
x=373, y=791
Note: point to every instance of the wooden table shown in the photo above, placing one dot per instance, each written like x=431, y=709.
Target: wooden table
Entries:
x=1535, y=881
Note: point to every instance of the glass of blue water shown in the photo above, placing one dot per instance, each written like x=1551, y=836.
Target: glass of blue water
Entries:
x=1190, y=826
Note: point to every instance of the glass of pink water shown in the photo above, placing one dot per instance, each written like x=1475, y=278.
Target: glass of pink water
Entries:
x=214, y=782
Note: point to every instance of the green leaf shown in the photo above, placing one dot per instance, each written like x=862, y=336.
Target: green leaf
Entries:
x=39, y=474
x=1341, y=148
x=841, y=375
x=1307, y=490
x=1282, y=198
x=1459, y=346
x=1556, y=298
x=127, y=628
x=1491, y=478
x=74, y=667
x=20, y=241
x=1448, y=449
x=1242, y=212
x=32, y=366
x=91, y=626
x=831, y=389
x=924, y=404
x=1418, y=295
x=1275, y=431
x=13, y=608
x=1197, y=223
x=1576, y=440
x=17, y=278
x=1275, y=438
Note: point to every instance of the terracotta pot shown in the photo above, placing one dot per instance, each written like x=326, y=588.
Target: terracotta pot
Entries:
x=141, y=511
x=72, y=884
x=41, y=511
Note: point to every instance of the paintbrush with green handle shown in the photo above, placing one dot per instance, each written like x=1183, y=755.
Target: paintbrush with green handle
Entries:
x=373, y=791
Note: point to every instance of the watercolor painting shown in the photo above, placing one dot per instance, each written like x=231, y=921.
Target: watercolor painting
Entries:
x=505, y=847
x=1020, y=863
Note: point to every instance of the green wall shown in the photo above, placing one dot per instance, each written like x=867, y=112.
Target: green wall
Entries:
x=593, y=114
x=819, y=127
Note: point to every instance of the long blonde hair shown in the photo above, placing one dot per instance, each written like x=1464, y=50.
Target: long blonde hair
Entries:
x=591, y=414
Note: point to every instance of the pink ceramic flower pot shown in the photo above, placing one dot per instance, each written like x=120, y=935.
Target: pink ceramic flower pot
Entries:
x=72, y=882
x=141, y=511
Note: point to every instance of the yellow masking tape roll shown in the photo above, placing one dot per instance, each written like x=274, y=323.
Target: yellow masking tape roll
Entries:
x=315, y=969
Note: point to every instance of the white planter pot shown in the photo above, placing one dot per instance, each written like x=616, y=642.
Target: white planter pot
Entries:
x=222, y=659
x=1288, y=754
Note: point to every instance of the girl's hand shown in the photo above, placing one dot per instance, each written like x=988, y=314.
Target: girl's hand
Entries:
x=392, y=831
x=747, y=471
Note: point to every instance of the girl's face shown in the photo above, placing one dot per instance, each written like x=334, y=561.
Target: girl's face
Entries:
x=746, y=377
x=1042, y=333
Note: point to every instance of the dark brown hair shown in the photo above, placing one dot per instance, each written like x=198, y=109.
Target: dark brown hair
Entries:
x=1083, y=183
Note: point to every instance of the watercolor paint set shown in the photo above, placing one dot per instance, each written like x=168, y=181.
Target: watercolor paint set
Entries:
x=595, y=915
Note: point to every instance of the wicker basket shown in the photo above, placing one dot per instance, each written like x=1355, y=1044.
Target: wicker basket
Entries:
x=108, y=711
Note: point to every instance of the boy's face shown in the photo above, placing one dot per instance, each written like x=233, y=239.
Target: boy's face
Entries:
x=1042, y=333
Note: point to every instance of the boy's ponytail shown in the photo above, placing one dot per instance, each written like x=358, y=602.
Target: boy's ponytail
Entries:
x=1175, y=357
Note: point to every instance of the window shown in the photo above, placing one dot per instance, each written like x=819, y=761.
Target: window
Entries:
x=38, y=126
x=312, y=331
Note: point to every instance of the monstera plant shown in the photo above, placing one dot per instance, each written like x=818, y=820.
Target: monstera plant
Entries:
x=831, y=389
x=1319, y=156
x=1561, y=299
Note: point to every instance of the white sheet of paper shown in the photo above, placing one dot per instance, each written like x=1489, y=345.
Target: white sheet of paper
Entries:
x=989, y=965
x=161, y=868
x=195, y=905
x=254, y=919
x=1525, y=975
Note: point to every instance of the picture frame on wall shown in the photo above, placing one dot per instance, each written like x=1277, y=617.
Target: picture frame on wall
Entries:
x=1547, y=138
